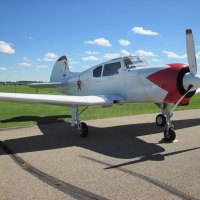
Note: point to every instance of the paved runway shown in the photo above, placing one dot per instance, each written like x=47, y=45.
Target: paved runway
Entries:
x=121, y=159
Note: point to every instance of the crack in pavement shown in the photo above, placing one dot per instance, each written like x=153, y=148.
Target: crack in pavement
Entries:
x=69, y=189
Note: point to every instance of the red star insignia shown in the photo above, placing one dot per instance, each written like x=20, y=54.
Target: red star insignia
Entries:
x=79, y=84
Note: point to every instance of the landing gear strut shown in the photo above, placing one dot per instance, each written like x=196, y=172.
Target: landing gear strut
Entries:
x=81, y=127
x=164, y=120
x=169, y=133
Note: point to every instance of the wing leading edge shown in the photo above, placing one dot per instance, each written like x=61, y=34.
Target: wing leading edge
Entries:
x=62, y=100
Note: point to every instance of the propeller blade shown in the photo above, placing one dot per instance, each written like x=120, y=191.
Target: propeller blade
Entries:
x=191, y=52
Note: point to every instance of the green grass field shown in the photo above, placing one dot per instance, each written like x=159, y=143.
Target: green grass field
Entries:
x=20, y=114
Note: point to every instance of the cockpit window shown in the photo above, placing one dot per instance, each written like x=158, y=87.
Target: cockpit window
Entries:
x=111, y=69
x=135, y=61
x=97, y=71
x=127, y=62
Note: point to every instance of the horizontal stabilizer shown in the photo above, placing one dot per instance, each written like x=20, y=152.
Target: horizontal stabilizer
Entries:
x=197, y=91
x=46, y=85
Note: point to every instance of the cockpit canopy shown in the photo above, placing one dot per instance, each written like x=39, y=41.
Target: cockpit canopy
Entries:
x=113, y=67
x=135, y=62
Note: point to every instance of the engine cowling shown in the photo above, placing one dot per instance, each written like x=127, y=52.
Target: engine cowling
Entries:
x=171, y=80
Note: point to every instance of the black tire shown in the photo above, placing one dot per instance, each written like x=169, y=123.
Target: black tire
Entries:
x=170, y=136
x=160, y=120
x=84, y=132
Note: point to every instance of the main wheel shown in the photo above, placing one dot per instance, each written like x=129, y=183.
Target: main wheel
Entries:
x=170, y=135
x=160, y=120
x=84, y=130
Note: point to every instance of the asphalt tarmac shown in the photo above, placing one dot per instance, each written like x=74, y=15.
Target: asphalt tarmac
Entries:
x=122, y=158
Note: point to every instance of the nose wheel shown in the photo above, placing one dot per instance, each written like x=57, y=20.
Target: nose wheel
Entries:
x=169, y=134
x=164, y=120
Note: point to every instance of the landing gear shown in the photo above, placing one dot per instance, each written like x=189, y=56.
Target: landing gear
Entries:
x=164, y=120
x=169, y=135
x=81, y=127
x=83, y=130
x=160, y=120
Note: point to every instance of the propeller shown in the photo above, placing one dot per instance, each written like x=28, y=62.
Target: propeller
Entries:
x=191, y=79
x=191, y=52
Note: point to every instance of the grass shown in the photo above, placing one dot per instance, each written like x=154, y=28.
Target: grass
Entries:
x=58, y=182
x=21, y=114
x=26, y=89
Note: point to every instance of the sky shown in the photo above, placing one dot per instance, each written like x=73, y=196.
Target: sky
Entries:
x=35, y=33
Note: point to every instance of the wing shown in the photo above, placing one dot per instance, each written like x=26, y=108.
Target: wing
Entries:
x=62, y=100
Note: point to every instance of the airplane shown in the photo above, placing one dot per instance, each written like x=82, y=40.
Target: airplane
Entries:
x=122, y=80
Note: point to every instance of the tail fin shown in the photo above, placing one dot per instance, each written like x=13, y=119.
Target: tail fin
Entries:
x=60, y=72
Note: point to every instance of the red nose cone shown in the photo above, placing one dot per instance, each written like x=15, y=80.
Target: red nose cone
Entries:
x=62, y=58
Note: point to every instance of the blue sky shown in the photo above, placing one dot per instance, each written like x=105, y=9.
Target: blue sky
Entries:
x=34, y=33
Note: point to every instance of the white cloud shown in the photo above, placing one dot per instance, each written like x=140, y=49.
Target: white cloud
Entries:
x=172, y=55
x=111, y=55
x=99, y=41
x=6, y=48
x=50, y=57
x=156, y=60
x=72, y=62
x=25, y=64
x=3, y=68
x=142, y=31
x=92, y=52
x=124, y=52
x=124, y=42
x=90, y=58
x=198, y=55
x=145, y=53
x=25, y=59
x=41, y=66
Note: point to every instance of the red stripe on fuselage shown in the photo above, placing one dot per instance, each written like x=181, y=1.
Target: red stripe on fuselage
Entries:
x=167, y=80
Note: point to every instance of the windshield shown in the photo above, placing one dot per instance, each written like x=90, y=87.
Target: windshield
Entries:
x=134, y=62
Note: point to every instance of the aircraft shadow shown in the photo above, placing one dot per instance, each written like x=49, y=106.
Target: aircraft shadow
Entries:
x=38, y=119
x=118, y=141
